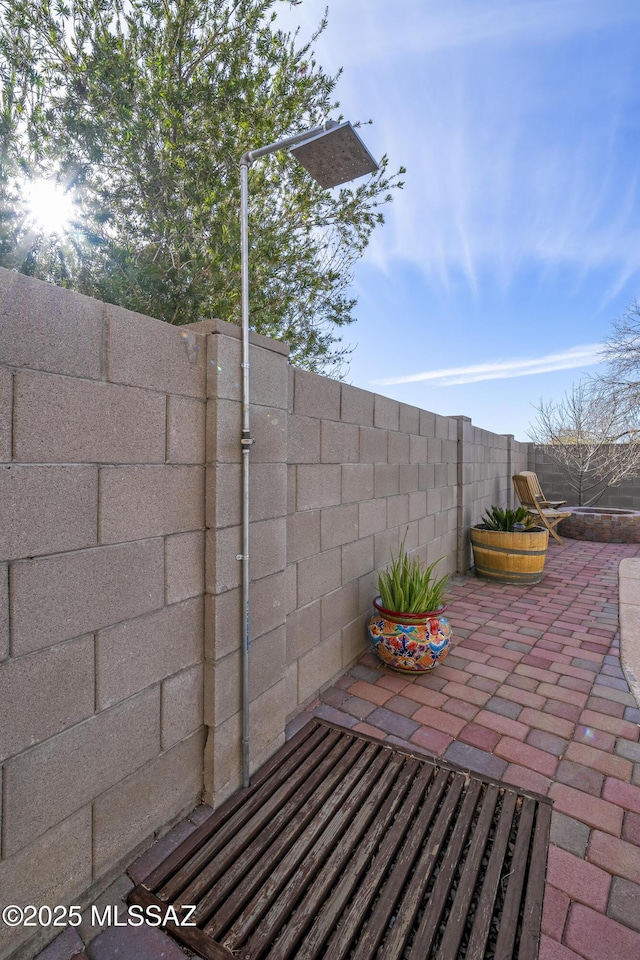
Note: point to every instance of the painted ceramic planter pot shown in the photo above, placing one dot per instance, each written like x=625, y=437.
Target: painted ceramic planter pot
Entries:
x=410, y=642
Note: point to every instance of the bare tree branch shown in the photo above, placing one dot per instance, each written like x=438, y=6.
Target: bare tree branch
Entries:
x=592, y=435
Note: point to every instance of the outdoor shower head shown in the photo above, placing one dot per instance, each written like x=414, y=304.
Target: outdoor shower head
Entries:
x=335, y=156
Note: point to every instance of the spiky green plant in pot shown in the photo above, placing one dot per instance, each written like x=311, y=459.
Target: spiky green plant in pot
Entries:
x=408, y=586
x=408, y=629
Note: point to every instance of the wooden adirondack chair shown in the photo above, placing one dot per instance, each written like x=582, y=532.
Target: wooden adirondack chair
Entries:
x=532, y=499
x=536, y=489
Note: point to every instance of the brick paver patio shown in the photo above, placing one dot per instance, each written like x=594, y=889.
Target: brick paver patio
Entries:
x=533, y=693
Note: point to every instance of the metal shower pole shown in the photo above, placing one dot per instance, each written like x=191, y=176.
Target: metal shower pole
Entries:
x=346, y=159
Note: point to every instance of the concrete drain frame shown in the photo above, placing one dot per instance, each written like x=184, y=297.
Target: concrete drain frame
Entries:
x=347, y=847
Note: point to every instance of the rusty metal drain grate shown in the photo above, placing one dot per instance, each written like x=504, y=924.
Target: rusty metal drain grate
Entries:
x=344, y=847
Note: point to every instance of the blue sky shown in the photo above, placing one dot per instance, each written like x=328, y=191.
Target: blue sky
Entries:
x=516, y=240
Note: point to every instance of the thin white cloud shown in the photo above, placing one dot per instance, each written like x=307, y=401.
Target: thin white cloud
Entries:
x=513, y=121
x=581, y=356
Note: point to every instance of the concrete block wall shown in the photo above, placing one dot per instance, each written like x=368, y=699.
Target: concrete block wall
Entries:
x=553, y=481
x=102, y=415
x=364, y=471
x=487, y=461
x=120, y=586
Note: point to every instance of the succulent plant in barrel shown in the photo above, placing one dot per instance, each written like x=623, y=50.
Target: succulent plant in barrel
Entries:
x=509, y=546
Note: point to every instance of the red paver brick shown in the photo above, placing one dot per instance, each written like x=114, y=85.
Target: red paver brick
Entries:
x=459, y=709
x=464, y=692
x=431, y=698
x=624, y=794
x=457, y=662
x=471, y=654
x=583, y=882
x=371, y=692
x=502, y=663
x=390, y=682
x=554, y=911
x=66, y=944
x=624, y=903
x=479, y=736
x=325, y=712
x=522, y=683
x=584, y=686
x=555, y=692
x=564, y=710
x=524, y=697
x=608, y=707
x=439, y=720
x=484, y=683
x=567, y=670
x=508, y=708
x=491, y=643
x=631, y=828
x=537, y=660
x=470, y=758
x=594, y=738
x=570, y=834
x=142, y=943
x=450, y=673
x=514, y=636
x=431, y=680
x=526, y=778
x=614, y=855
x=394, y=724
x=581, y=777
x=433, y=741
x=522, y=753
x=606, y=763
x=628, y=749
x=552, y=950
x=504, y=725
x=595, y=647
x=536, y=673
x=546, y=721
x=508, y=655
x=591, y=810
x=484, y=670
x=358, y=708
x=614, y=725
x=594, y=936
x=547, y=741
x=471, y=644
x=544, y=643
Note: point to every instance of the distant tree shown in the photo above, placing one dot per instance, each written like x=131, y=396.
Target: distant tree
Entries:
x=589, y=435
x=622, y=352
x=143, y=108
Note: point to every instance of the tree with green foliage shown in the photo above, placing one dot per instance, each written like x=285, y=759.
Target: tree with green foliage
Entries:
x=142, y=109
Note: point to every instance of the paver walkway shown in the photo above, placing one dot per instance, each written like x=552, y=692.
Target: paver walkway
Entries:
x=533, y=693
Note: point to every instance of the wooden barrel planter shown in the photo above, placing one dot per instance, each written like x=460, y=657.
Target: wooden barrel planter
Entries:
x=514, y=557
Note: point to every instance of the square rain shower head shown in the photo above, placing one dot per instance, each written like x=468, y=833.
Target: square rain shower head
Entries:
x=335, y=156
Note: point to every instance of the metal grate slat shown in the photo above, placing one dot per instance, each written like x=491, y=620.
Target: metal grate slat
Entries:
x=307, y=856
x=328, y=897
x=354, y=918
x=454, y=932
x=324, y=861
x=346, y=848
x=255, y=864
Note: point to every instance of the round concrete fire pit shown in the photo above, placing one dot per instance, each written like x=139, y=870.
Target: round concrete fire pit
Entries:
x=601, y=524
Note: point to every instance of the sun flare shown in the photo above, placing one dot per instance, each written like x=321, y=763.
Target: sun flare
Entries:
x=49, y=207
